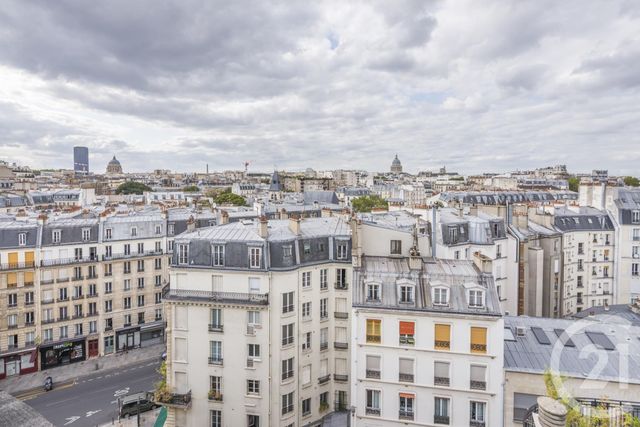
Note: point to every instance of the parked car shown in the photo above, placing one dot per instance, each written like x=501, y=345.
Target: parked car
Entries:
x=131, y=404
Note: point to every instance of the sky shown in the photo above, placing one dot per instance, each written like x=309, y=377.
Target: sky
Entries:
x=476, y=86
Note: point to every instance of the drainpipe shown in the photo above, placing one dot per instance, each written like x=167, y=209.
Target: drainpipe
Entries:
x=434, y=231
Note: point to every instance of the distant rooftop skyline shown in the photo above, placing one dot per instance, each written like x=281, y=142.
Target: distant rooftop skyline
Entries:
x=476, y=86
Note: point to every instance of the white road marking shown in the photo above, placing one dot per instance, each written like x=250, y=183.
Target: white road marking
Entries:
x=89, y=413
x=71, y=420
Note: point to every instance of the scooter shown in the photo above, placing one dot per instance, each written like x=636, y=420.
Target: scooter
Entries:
x=48, y=384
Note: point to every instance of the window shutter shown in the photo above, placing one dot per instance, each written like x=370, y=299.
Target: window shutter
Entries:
x=406, y=366
x=373, y=363
x=441, y=369
x=478, y=373
x=407, y=328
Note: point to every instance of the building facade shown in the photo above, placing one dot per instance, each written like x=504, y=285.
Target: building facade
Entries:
x=258, y=323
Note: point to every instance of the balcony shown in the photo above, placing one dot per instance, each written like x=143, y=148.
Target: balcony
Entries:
x=63, y=318
x=76, y=297
x=478, y=385
x=340, y=315
x=92, y=296
x=405, y=378
x=232, y=297
x=28, y=284
x=441, y=419
x=372, y=411
x=46, y=282
x=108, y=328
x=340, y=345
x=324, y=346
x=175, y=400
x=372, y=373
x=17, y=266
x=324, y=379
x=405, y=415
x=47, y=321
x=215, y=396
x=373, y=339
x=474, y=423
x=216, y=328
x=442, y=345
x=478, y=348
x=14, y=326
x=341, y=377
x=92, y=314
x=441, y=381
x=341, y=286
x=27, y=303
x=78, y=316
x=66, y=261
x=64, y=299
x=407, y=340
x=92, y=276
x=77, y=278
x=48, y=301
x=131, y=255
x=215, y=361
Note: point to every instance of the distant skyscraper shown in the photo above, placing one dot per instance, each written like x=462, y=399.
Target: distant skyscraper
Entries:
x=81, y=160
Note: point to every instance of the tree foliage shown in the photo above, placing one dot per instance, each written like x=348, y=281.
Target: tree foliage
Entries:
x=574, y=183
x=631, y=181
x=132, y=187
x=191, y=189
x=228, y=198
x=367, y=203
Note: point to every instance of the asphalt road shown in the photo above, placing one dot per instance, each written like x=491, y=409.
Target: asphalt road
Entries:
x=93, y=400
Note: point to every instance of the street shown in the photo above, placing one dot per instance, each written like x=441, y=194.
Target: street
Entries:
x=93, y=400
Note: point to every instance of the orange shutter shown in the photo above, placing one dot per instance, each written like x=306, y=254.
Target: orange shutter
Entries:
x=407, y=328
x=478, y=340
x=28, y=259
x=408, y=395
x=28, y=277
x=13, y=259
x=12, y=279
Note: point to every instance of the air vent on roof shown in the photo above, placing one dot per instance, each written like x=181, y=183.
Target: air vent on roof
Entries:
x=540, y=335
x=600, y=340
x=564, y=338
x=520, y=331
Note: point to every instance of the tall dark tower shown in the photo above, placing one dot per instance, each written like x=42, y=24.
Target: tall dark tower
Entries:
x=81, y=160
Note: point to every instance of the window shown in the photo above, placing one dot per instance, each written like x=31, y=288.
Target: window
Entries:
x=108, y=306
x=373, y=366
x=255, y=255
x=127, y=320
x=93, y=327
x=478, y=410
x=306, y=279
x=324, y=338
x=405, y=370
x=441, y=373
x=287, y=334
x=306, y=309
x=342, y=251
x=580, y=265
x=127, y=302
x=86, y=234
x=215, y=352
x=218, y=255
x=441, y=296
x=127, y=284
x=108, y=324
x=253, y=350
x=287, y=403
x=158, y=296
x=108, y=233
x=140, y=265
x=373, y=292
x=635, y=217
x=28, y=298
x=306, y=341
x=253, y=317
x=216, y=318
x=373, y=402
x=453, y=235
x=216, y=418
x=108, y=270
x=171, y=229
x=183, y=254
x=306, y=407
x=441, y=411
x=442, y=337
x=127, y=249
x=12, y=320
x=48, y=334
x=306, y=248
x=22, y=239
x=78, y=329
x=64, y=332
x=478, y=377
x=581, y=248
x=456, y=255
x=56, y=235
x=341, y=278
x=373, y=331
x=158, y=314
x=287, y=369
x=476, y=298
x=158, y=280
x=134, y=231
x=498, y=251
x=286, y=252
x=140, y=300
x=407, y=333
x=253, y=387
x=396, y=247
x=127, y=267
x=323, y=279
x=324, y=311
x=406, y=294
x=406, y=406
x=478, y=340
x=29, y=318
x=140, y=282
x=13, y=300
x=287, y=302
x=634, y=269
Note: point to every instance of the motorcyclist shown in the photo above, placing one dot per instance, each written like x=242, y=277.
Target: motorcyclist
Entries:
x=48, y=384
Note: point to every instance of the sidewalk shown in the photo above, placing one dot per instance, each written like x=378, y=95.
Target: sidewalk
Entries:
x=147, y=419
x=20, y=383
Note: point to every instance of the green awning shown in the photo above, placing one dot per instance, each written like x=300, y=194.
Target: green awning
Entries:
x=162, y=417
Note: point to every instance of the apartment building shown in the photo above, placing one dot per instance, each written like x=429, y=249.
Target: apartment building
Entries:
x=588, y=244
x=427, y=343
x=258, y=323
x=83, y=286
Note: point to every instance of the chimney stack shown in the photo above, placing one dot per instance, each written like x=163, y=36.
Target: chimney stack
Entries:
x=224, y=217
x=191, y=224
x=263, y=227
x=294, y=224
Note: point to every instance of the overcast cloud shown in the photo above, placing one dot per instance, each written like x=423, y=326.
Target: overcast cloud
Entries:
x=473, y=85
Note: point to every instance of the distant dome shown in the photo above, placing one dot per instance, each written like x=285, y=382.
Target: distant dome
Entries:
x=114, y=167
x=396, y=166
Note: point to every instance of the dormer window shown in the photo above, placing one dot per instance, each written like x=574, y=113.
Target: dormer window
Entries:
x=307, y=248
x=134, y=231
x=373, y=292
x=255, y=256
x=635, y=217
x=22, y=239
x=183, y=254
x=441, y=296
x=396, y=247
x=108, y=233
x=56, y=235
x=286, y=251
x=342, y=251
x=218, y=255
x=86, y=234
x=476, y=298
x=406, y=293
x=158, y=229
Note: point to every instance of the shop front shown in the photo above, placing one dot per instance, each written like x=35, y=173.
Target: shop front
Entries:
x=152, y=333
x=19, y=362
x=62, y=353
x=128, y=338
